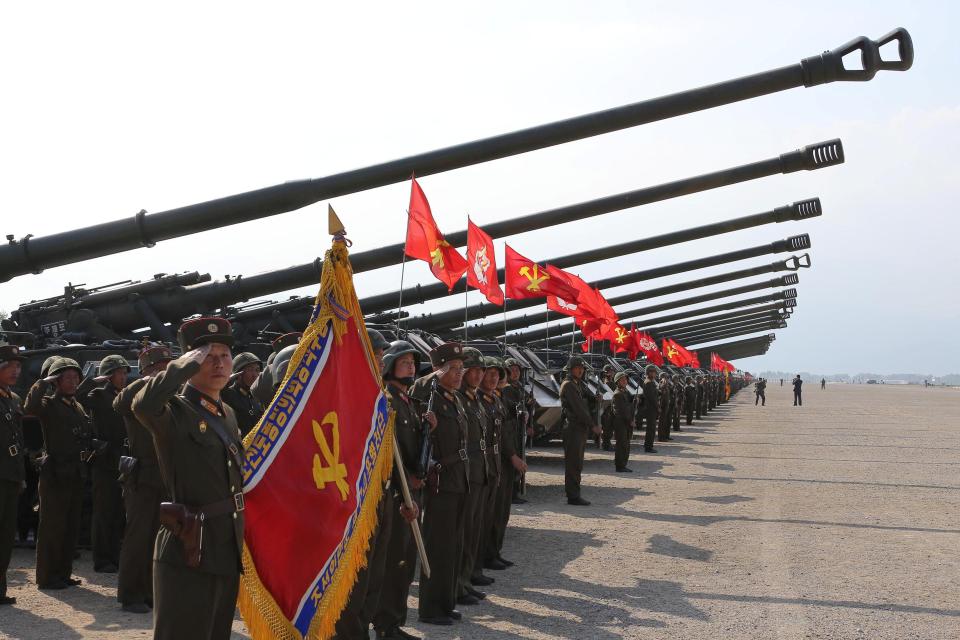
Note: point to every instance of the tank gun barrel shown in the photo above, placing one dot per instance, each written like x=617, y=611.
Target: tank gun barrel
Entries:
x=34, y=254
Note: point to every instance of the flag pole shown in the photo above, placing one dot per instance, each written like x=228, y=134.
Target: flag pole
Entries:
x=466, y=309
x=548, y=328
x=503, y=349
x=403, y=268
x=408, y=503
x=573, y=337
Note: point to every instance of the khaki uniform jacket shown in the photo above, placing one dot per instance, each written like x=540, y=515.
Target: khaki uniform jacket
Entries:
x=651, y=398
x=107, y=423
x=409, y=430
x=11, y=437
x=575, y=407
x=245, y=405
x=197, y=467
x=67, y=430
x=496, y=419
x=622, y=409
x=449, y=437
x=139, y=440
x=477, y=427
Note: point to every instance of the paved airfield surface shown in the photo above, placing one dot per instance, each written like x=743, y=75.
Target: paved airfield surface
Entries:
x=838, y=519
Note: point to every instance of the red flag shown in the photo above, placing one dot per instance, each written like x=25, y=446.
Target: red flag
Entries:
x=425, y=242
x=649, y=347
x=694, y=359
x=618, y=337
x=572, y=307
x=482, y=269
x=677, y=355
x=527, y=279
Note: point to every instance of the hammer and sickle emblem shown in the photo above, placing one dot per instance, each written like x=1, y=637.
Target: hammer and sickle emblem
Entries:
x=334, y=470
x=621, y=335
x=535, y=277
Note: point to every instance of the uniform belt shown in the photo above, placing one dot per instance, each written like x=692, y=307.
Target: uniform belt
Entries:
x=233, y=504
x=461, y=454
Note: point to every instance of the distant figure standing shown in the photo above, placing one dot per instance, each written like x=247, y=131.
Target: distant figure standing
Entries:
x=797, y=386
x=823, y=383
x=781, y=382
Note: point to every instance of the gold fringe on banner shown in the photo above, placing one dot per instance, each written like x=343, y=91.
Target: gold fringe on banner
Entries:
x=336, y=303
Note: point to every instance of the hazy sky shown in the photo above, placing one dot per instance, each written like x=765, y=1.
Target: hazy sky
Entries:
x=110, y=108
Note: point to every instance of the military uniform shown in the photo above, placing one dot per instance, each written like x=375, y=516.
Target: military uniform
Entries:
x=651, y=400
x=12, y=468
x=108, y=519
x=488, y=554
x=477, y=427
x=202, y=470
x=689, y=400
x=67, y=435
x=623, y=426
x=579, y=421
x=246, y=406
x=445, y=497
x=676, y=394
x=511, y=433
x=401, y=556
x=664, y=412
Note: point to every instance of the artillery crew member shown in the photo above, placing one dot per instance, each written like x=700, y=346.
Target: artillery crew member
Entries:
x=142, y=491
x=665, y=415
x=512, y=465
x=479, y=473
x=246, y=406
x=97, y=396
x=500, y=430
x=400, y=364
x=760, y=387
x=651, y=399
x=689, y=399
x=578, y=423
x=676, y=394
x=518, y=403
x=197, y=557
x=12, y=469
x=606, y=418
x=797, y=391
x=623, y=422
x=448, y=483
x=68, y=444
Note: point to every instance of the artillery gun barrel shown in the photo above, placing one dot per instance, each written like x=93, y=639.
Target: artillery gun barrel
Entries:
x=741, y=348
x=705, y=335
x=732, y=334
x=538, y=336
x=664, y=330
x=702, y=326
x=34, y=254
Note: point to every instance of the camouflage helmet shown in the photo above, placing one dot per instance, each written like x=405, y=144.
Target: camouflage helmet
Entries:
x=652, y=368
x=377, y=341
x=111, y=363
x=45, y=369
x=620, y=376
x=575, y=361
x=513, y=362
x=154, y=354
x=63, y=364
x=243, y=359
x=472, y=358
x=490, y=362
x=393, y=351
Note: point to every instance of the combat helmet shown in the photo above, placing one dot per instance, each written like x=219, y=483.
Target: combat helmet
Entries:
x=63, y=364
x=111, y=363
x=243, y=359
x=652, y=368
x=490, y=362
x=393, y=351
x=472, y=358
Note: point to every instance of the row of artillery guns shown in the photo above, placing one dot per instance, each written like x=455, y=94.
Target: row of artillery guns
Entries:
x=88, y=323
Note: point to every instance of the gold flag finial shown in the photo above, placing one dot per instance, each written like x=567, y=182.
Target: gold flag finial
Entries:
x=335, y=226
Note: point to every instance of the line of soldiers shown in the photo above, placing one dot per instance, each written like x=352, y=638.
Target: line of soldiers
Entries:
x=659, y=404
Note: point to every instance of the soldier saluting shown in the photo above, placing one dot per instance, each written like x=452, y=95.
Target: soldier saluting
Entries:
x=197, y=555
x=142, y=491
x=246, y=406
x=12, y=470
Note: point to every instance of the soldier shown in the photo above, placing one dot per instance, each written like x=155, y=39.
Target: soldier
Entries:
x=797, y=389
x=512, y=464
x=823, y=383
x=761, y=386
x=97, y=396
x=246, y=406
x=378, y=342
x=650, y=407
x=689, y=399
x=606, y=419
x=12, y=468
x=578, y=422
x=67, y=438
x=142, y=491
x=401, y=361
x=266, y=383
x=665, y=410
x=623, y=422
x=677, y=391
x=480, y=476
x=197, y=555
x=447, y=485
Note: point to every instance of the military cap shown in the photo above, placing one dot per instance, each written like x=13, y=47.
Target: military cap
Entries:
x=576, y=361
x=45, y=369
x=513, y=362
x=243, y=359
x=396, y=349
x=489, y=362
x=472, y=358
x=111, y=363
x=200, y=331
x=154, y=355
x=62, y=364
x=620, y=376
x=286, y=340
x=10, y=353
x=446, y=352
x=377, y=341
x=653, y=368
